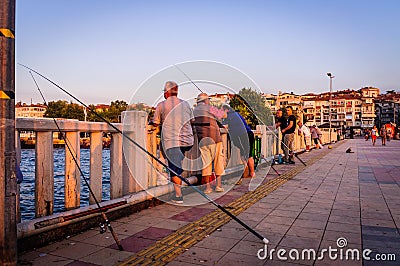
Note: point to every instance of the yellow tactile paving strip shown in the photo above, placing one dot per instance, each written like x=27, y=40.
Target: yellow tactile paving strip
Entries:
x=170, y=247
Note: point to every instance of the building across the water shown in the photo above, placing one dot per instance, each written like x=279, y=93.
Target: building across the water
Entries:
x=30, y=110
x=346, y=108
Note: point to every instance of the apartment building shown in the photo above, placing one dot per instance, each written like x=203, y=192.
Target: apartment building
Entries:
x=368, y=95
x=31, y=110
x=387, y=108
x=270, y=101
x=346, y=108
x=285, y=99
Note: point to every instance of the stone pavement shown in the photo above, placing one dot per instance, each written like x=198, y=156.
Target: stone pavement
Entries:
x=344, y=201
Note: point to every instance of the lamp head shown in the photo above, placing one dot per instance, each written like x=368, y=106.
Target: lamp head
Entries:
x=329, y=74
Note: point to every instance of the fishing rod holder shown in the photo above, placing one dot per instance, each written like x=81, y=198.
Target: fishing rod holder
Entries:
x=103, y=228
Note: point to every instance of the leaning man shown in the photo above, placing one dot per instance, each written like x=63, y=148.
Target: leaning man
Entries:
x=210, y=142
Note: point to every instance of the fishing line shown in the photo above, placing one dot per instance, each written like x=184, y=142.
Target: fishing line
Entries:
x=66, y=141
x=265, y=240
x=189, y=78
x=255, y=182
x=246, y=105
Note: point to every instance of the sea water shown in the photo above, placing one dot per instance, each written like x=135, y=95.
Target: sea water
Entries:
x=27, y=187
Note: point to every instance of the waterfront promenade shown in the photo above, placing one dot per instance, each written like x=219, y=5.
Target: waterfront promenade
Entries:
x=353, y=197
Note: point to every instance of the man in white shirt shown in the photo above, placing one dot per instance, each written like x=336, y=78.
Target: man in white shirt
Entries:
x=175, y=115
x=303, y=129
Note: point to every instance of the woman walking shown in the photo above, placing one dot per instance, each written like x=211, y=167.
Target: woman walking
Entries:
x=374, y=135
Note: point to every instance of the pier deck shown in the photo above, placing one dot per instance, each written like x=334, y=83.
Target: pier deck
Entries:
x=354, y=197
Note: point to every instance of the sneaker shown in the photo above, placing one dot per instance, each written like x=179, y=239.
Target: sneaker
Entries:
x=177, y=199
x=291, y=162
x=219, y=189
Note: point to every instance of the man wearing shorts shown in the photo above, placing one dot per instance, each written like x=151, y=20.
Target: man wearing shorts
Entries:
x=175, y=116
x=210, y=142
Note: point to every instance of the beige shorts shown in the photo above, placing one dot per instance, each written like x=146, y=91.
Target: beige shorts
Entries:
x=212, y=153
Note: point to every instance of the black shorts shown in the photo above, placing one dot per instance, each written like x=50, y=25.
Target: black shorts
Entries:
x=315, y=141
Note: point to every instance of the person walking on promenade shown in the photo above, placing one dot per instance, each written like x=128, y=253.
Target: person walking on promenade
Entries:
x=314, y=136
x=303, y=129
x=240, y=134
x=319, y=133
x=281, y=123
x=374, y=135
x=175, y=115
x=383, y=135
x=366, y=134
x=210, y=143
x=289, y=136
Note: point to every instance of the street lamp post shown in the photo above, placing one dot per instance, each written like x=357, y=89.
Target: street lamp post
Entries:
x=330, y=102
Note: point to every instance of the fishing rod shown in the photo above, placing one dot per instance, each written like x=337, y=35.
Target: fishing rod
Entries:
x=228, y=136
x=251, y=230
x=189, y=79
x=66, y=141
x=246, y=105
x=272, y=164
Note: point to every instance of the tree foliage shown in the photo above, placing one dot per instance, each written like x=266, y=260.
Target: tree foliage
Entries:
x=63, y=109
x=113, y=114
x=251, y=106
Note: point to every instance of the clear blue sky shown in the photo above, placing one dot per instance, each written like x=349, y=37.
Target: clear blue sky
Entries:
x=103, y=50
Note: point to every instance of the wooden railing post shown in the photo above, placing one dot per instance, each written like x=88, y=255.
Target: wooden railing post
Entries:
x=44, y=181
x=72, y=174
x=96, y=166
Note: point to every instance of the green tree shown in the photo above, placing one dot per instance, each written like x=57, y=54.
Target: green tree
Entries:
x=63, y=109
x=93, y=117
x=113, y=114
x=56, y=109
x=74, y=111
x=251, y=105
